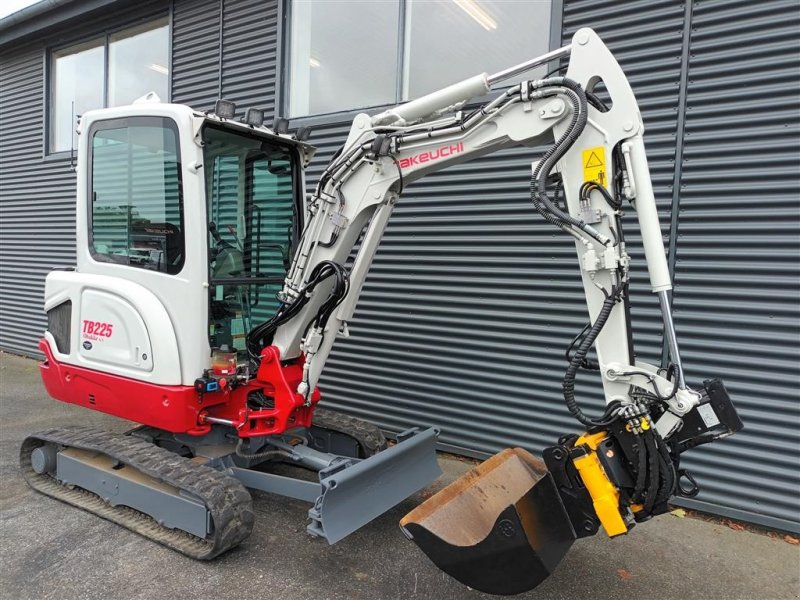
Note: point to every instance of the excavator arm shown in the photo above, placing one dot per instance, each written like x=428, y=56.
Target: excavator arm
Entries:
x=505, y=526
x=598, y=155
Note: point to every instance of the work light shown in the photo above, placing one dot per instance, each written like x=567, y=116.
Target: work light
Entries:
x=224, y=109
x=254, y=117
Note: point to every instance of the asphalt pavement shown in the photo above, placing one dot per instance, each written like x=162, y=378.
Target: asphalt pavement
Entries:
x=51, y=550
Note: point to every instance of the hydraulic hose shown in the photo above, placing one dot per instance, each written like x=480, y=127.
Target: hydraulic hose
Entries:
x=321, y=272
x=267, y=454
x=641, y=469
x=652, y=472
x=544, y=205
x=568, y=384
x=668, y=475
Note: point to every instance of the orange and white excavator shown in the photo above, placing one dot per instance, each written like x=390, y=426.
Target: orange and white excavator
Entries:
x=209, y=290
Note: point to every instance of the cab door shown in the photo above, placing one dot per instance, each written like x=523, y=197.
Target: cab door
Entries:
x=253, y=214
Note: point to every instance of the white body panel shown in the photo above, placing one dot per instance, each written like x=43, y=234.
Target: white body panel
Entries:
x=182, y=297
x=131, y=332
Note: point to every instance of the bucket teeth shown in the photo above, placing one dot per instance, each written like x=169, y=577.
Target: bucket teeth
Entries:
x=501, y=528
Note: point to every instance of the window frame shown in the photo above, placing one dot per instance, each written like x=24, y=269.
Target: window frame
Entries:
x=127, y=122
x=282, y=92
x=48, y=153
x=298, y=221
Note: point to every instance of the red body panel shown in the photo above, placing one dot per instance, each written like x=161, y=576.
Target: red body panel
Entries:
x=180, y=409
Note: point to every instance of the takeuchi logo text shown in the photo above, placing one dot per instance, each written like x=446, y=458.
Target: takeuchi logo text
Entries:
x=430, y=155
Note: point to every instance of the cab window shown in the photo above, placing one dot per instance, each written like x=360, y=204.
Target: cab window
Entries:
x=250, y=191
x=136, y=204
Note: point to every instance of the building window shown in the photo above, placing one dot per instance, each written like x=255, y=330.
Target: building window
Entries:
x=111, y=70
x=353, y=54
x=136, y=196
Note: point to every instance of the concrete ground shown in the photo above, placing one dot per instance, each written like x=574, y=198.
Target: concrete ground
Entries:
x=51, y=550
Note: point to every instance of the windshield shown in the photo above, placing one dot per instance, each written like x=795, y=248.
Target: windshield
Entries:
x=250, y=191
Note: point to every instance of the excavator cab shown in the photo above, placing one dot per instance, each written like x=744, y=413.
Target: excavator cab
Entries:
x=186, y=223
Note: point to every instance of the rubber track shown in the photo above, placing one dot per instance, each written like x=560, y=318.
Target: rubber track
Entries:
x=227, y=500
x=369, y=436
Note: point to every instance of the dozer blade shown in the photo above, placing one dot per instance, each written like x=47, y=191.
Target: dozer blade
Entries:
x=354, y=495
x=501, y=528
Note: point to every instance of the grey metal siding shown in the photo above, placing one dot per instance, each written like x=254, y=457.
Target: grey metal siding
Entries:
x=250, y=52
x=36, y=204
x=225, y=49
x=196, y=49
x=37, y=194
x=737, y=276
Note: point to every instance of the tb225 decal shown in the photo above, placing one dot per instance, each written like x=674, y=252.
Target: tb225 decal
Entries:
x=97, y=329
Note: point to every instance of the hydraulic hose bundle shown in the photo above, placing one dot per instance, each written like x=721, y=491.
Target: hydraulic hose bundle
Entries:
x=579, y=357
x=656, y=476
x=554, y=215
x=655, y=473
x=541, y=201
x=259, y=336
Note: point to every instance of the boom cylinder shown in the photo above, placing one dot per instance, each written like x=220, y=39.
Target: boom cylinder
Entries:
x=528, y=65
x=457, y=93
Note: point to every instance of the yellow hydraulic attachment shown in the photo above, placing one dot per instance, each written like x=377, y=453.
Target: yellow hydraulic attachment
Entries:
x=605, y=495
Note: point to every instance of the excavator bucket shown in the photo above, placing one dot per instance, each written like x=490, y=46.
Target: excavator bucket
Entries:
x=501, y=528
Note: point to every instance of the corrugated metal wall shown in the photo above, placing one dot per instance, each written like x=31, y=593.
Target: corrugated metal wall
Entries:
x=250, y=52
x=236, y=61
x=473, y=298
x=37, y=195
x=737, y=277
x=196, y=50
x=27, y=187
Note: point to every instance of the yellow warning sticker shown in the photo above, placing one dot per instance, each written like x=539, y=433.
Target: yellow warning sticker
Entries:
x=594, y=165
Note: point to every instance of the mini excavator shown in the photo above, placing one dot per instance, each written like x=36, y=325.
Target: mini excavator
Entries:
x=209, y=289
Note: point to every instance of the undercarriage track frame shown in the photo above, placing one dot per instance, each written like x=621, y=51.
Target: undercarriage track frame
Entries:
x=228, y=502
x=195, y=499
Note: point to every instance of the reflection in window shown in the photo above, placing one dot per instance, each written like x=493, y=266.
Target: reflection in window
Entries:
x=77, y=87
x=137, y=217
x=137, y=63
x=450, y=41
x=137, y=59
x=344, y=54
